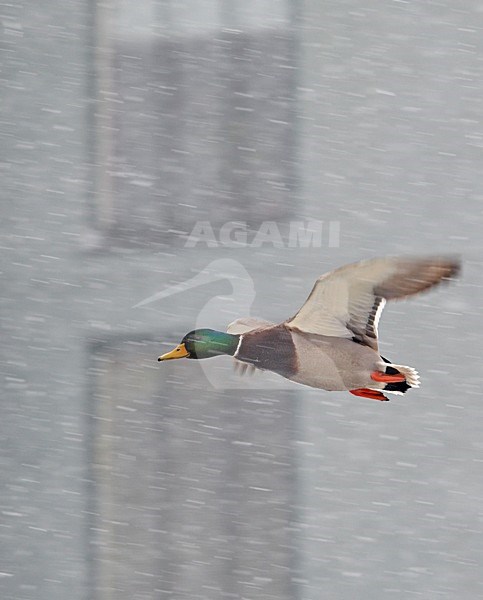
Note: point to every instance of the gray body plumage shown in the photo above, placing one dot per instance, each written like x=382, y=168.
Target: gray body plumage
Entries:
x=332, y=341
x=318, y=361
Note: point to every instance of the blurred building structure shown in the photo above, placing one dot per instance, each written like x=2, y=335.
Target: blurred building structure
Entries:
x=126, y=123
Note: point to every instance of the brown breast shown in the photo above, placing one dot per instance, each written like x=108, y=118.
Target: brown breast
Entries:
x=270, y=348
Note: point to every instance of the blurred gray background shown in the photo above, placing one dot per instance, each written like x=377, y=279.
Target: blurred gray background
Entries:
x=123, y=125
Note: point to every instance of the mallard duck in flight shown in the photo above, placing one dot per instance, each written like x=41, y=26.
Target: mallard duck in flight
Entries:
x=331, y=342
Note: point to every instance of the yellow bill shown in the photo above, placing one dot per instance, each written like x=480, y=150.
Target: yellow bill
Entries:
x=179, y=352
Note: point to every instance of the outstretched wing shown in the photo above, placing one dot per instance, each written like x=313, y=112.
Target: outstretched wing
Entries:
x=348, y=302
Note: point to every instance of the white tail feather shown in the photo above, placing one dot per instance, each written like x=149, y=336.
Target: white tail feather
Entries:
x=412, y=377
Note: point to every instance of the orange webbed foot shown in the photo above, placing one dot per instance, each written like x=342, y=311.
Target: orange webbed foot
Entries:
x=386, y=378
x=367, y=393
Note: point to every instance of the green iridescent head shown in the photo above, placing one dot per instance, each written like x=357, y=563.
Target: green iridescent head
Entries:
x=204, y=343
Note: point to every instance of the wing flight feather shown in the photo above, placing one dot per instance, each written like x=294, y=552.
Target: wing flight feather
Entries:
x=348, y=302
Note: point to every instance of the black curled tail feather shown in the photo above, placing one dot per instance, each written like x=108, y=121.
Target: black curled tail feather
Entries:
x=401, y=387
